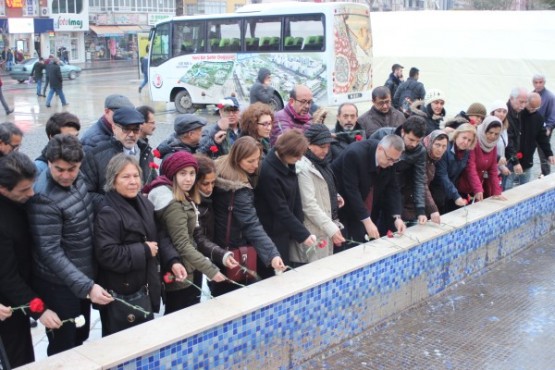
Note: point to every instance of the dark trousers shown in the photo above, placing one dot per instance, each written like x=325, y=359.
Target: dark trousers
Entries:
x=16, y=335
x=545, y=166
x=183, y=298
x=61, y=300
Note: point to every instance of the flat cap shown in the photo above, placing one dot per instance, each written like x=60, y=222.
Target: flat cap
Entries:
x=117, y=101
x=128, y=116
x=187, y=122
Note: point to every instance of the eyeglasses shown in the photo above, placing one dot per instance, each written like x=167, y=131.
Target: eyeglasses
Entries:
x=266, y=124
x=231, y=110
x=128, y=130
x=15, y=148
x=304, y=102
x=382, y=103
x=389, y=159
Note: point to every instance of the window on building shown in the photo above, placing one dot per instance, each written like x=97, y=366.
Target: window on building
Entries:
x=67, y=6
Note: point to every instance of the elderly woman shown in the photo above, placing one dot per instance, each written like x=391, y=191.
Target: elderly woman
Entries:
x=234, y=206
x=450, y=167
x=174, y=200
x=483, y=162
x=319, y=198
x=278, y=200
x=256, y=121
x=126, y=245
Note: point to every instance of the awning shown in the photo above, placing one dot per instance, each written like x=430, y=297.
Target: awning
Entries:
x=130, y=29
x=106, y=31
x=43, y=25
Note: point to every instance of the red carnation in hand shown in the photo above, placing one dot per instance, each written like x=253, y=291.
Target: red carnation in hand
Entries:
x=358, y=137
x=156, y=153
x=323, y=244
x=36, y=305
x=169, y=278
x=153, y=165
x=389, y=234
x=519, y=155
x=214, y=149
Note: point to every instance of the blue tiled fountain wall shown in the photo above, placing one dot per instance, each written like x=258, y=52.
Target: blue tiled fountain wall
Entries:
x=289, y=332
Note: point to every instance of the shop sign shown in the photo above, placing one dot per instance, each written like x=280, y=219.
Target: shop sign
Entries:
x=30, y=8
x=71, y=22
x=14, y=3
x=154, y=18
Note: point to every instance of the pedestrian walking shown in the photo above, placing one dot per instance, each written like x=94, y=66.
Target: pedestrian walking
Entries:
x=3, y=101
x=56, y=81
x=144, y=70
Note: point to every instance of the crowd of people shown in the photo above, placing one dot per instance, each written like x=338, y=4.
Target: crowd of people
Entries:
x=105, y=219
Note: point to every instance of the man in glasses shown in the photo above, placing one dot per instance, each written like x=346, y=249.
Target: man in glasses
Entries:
x=218, y=138
x=126, y=132
x=295, y=114
x=366, y=179
x=11, y=137
x=381, y=114
x=101, y=131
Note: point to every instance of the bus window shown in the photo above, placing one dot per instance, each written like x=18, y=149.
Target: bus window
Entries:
x=266, y=30
x=160, y=48
x=188, y=37
x=224, y=35
x=304, y=32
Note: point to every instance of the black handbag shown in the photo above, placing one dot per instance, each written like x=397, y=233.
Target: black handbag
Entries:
x=121, y=316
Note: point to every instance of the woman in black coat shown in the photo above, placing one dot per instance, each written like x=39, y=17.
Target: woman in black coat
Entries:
x=125, y=238
x=277, y=196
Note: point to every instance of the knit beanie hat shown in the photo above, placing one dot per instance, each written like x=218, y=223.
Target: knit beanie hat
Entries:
x=318, y=134
x=176, y=162
x=476, y=109
x=433, y=95
x=498, y=104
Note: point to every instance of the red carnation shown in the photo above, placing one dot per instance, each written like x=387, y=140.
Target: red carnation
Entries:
x=220, y=105
x=519, y=155
x=153, y=165
x=389, y=234
x=169, y=278
x=358, y=137
x=214, y=149
x=156, y=153
x=323, y=244
x=472, y=121
x=36, y=305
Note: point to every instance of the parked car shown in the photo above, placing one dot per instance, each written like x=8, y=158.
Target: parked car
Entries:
x=22, y=71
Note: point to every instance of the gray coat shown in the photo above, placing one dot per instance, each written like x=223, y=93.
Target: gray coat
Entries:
x=61, y=222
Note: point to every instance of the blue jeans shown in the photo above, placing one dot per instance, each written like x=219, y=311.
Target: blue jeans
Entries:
x=39, y=86
x=60, y=93
x=145, y=81
x=521, y=179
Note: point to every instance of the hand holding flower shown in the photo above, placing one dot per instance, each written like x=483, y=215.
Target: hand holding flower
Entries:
x=5, y=312
x=50, y=320
x=230, y=262
x=100, y=296
x=179, y=272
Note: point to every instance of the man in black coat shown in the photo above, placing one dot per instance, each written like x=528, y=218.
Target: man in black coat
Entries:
x=17, y=173
x=367, y=181
x=532, y=133
x=126, y=128
x=61, y=215
x=56, y=82
x=347, y=130
x=411, y=170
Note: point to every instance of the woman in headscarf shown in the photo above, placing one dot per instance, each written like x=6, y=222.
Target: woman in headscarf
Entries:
x=319, y=198
x=436, y=144
x=483, y=163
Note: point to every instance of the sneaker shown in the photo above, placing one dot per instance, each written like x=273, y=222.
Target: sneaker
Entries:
x=65, y=105
x=8, y=112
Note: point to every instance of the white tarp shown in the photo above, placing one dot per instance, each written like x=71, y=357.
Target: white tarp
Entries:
x=470, y=55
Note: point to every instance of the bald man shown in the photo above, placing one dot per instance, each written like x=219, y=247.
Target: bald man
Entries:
x=295, y=114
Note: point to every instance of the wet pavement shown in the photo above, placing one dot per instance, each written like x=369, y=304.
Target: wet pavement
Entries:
x=502, y=319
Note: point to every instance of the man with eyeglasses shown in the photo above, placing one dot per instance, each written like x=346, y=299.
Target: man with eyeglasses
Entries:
x=101, y=131
x=11, y=137
x=218, y=138
x=295, y=114
x=532, y=135
x=381, y=114
x=126, y=130
x=367, y=181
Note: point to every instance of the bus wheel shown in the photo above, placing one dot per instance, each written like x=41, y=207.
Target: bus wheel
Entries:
x=183, y=102
x=276, y=103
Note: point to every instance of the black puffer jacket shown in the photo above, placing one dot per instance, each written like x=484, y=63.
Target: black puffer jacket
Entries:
x=61, y=222
x=245, y=225
x=204, y=234
x=411, y=170
x=125, y=262
x=97, y=158
x=98, y=133
x=172, y=145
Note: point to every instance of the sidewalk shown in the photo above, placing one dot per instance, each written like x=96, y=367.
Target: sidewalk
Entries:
x=97, y=65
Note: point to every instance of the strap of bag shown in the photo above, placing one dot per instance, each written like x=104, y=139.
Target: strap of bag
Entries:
x=229, y=215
